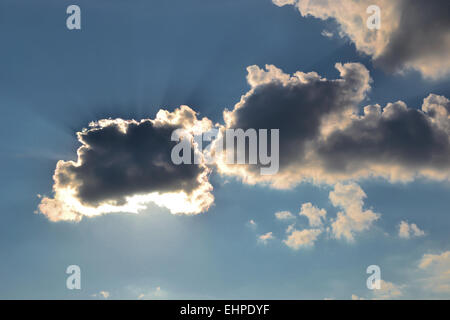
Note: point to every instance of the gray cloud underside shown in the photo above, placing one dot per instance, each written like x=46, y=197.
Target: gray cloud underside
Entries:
x=115, y=164
x=324, y=137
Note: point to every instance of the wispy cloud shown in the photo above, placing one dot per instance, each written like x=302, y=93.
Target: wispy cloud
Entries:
x=265, y=238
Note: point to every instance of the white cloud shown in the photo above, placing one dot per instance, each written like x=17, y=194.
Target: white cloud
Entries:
x=284, y=215
x=302, y=239
x=315, y=215
x=407, y=231
x=437, y=269
x=387, y=291
x=252, y=223
x=327, y=33
x=155, y=294
x=353, y=218
x=264, y=238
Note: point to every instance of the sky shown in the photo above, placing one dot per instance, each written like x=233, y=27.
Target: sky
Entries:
x=364, y=121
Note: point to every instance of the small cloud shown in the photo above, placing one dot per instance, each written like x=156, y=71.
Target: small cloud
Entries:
x=387, y=291
x=265, y=237
x=252, y=224
x=327, y=34
x=353, y=218
x=407, y=231
x=301, y=239
x=102, y=294
x=284, y=215
x=155, y=294
x=355, y=297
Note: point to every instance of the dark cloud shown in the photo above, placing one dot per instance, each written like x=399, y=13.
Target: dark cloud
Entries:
x=120, y=159
x=412, y=34
x=115, y=164
x=395, y=135
x=422, y=35
x=297, y=106
x=324, y=138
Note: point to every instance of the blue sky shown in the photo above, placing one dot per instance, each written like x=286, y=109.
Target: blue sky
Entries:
x=128, y=61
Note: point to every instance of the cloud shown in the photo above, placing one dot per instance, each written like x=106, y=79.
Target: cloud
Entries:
x=102, y=294
x=324, y=138
x=387, y=291
x=252, y=224
x=284, y=215
x=414, y=34
x=431, y=276
x=327, y=34
x=296, y=105
x=265, y=237
x=437, y=269
x=123, y=165
x=315, y=215
x=156, y=294
x=407, y=231
x=353, y=218
x=301, y=239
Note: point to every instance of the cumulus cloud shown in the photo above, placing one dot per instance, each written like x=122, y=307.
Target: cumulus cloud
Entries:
x=315, y=215
x=284, y=215
x=264, y=238
x=298, y=239
x=325, y=138
x=353, y=218
x=296, y=105
x=437, y=269
x=407, y=231
x=123, y=165
x=414, y=34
